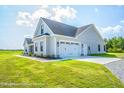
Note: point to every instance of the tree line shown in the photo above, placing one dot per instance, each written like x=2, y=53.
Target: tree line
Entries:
x=115, y=44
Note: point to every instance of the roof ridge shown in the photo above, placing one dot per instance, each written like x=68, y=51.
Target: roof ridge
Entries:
x=86, y=25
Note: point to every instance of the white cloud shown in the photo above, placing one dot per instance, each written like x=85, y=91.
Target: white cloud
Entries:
x=40, y=13
x=24, y=18
x=60, y=13
x=57, y=13
x=112, y=31
x=122, y=21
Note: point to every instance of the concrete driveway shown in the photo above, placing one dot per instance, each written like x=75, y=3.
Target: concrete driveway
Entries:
x=96, y=59
x=117, y=68
x=115, y=65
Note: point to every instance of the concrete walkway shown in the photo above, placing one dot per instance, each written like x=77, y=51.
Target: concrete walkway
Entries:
x=37, y=59
x=96, y=59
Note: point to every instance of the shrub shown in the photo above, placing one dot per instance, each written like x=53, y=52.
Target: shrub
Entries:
x=115, y=50
x=45, y=56
x=52, y=56
x=41, y=55
x=22, y=53
x=34, y=54
x=30, y=54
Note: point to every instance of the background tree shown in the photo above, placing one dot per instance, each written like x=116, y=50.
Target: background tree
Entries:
x=115, y=44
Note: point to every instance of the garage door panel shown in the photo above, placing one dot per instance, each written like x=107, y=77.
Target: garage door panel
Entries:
x=66, y=50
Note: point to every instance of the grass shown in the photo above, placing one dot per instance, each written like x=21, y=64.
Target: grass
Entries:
x=21, y=72
x=118, y=55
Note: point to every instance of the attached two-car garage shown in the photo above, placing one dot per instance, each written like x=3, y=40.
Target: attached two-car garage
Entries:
x=68, y=49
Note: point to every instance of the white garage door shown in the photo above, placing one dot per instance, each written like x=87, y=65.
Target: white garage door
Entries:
x=68, y=49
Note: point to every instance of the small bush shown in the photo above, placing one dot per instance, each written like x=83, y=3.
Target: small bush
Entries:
x=45, y=56
x=41, y=55
x=30, y=54
x=52, y=56
x=22, y=53
x=34, y=54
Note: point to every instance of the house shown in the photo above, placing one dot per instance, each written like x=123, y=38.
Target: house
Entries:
x=28, y=45
x=57, y=39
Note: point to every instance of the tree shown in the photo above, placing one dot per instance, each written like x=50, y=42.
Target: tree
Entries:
x=115, y=44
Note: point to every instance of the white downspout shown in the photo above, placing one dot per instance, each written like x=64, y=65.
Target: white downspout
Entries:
x=45, y=47
x=55, y=46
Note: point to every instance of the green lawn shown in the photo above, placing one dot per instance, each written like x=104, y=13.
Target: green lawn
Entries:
x=21, y=72
x=119, y=55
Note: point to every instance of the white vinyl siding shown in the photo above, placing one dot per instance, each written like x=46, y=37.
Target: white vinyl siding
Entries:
x=92, y=39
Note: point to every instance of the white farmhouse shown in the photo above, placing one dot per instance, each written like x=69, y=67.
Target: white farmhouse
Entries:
x=56, y=39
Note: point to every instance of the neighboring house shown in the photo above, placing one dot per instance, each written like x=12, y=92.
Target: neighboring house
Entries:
x=56, y=39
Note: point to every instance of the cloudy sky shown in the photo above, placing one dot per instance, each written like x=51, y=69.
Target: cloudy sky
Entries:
x=18, y=22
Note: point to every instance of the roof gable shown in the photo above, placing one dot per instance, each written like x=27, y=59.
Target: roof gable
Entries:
x=45, y=27
x=28, y=41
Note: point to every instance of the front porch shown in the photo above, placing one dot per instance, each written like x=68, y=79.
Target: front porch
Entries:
x=29, y=50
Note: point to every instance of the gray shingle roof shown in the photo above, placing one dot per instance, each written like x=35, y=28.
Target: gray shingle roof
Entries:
x=64, y=29
x=28, y=40
x=80, y=29
x=60, y=28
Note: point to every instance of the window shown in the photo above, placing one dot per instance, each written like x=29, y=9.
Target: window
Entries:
x=62, y=42
x=88, y=48
x=25, y=50
x=57, y=44
x=67, y=43
x=72, y=43
x=99, y=48
x=89, y=51
x=41, y=46
x=104, y=48
x=35, y=46
x=82, y=45
x=76, y=43
x=41, y=29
